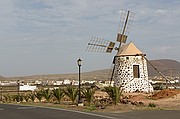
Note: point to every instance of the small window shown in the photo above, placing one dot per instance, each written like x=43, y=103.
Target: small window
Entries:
x=136, y=71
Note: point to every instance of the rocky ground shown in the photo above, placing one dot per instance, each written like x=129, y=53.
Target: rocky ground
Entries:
x=164, y=99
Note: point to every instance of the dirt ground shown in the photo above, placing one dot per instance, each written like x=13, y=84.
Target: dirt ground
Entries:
x=164, y=99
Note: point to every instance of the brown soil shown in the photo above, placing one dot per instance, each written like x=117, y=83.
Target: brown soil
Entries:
x=167, y=93
x=164, y=99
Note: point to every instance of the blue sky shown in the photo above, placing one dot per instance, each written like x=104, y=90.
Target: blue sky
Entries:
x=48, y=36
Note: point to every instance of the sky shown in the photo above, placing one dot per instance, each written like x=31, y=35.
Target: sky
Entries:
x=48, y=36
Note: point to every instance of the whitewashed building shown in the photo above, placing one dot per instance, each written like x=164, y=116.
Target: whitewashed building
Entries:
x=27, y=88
x=131, y=70
x=66, y=82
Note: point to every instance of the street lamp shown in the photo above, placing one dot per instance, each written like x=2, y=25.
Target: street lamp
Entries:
x=79, y=62
x=18, y=90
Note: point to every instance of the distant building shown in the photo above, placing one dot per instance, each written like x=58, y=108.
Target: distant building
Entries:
x=66, y=82
x=27, y=88
x=58, y=83
x=75, y=83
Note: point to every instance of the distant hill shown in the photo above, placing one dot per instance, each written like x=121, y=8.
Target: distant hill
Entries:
x=166, y=66
x=2, y=78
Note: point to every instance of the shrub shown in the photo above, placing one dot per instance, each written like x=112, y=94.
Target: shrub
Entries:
x=90, y=108
x=158, y=87
x=152, y=105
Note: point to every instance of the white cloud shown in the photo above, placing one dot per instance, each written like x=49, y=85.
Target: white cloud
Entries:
x=48, y=26
x=161, y=49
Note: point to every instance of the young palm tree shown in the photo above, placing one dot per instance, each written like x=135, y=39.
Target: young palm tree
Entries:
x=32, y=97
x=39, y=95
x=7, y=98
x=88, y=94
x=58, y=94
x=47, y=94
x=71, y=92
x=21, y=98
x=26, y=97
x=15, y=98
x=114, y=93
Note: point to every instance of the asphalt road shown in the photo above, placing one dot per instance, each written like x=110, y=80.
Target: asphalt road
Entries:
x=29, y=112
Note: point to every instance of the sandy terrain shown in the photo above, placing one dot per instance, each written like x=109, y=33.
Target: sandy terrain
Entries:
x=165, y=99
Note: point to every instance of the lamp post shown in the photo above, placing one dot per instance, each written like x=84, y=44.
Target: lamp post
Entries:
x=18, y=90
x=79, y=62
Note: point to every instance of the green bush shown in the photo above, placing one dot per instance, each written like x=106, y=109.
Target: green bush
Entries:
x=152, y=105
x=158, y=87
x=90, y=108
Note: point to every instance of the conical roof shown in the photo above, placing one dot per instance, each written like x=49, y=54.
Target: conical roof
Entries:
x=128, y=49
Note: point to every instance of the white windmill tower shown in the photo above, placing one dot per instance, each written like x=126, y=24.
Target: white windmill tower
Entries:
x=129, y=64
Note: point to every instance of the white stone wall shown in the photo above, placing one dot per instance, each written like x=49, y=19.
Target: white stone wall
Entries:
x=123, y=74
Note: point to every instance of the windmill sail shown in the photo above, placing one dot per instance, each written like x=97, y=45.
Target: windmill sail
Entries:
x=126, y=21
x=100, y=45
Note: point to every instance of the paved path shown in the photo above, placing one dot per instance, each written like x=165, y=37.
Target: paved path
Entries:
x=147, y=114
x=30, y=112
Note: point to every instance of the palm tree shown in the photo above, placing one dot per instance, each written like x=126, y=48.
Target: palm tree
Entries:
x=47, y=94
x=32, y=97
x=21, y=98
x=26, y=97
x=88, y=94
x=15, y=98
x=58, y=94
x=114, y=93
x=39, y=95
x=7, y=98
x=71, y=92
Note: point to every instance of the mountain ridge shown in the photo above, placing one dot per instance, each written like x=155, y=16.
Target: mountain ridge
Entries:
x=168, y=67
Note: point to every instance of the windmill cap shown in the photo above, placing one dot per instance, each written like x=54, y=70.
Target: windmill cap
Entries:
x=129, y=49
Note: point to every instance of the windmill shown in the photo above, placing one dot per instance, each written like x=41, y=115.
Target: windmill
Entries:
x=101, y=45
x=129, y=68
